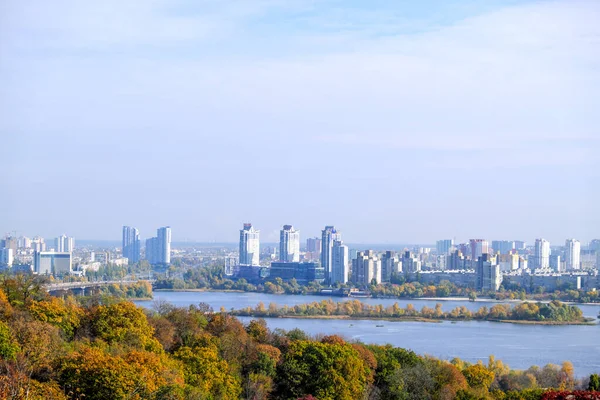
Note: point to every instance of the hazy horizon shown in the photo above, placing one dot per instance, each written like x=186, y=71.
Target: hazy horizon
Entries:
x=397, y=122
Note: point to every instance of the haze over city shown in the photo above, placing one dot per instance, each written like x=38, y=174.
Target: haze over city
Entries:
x=400, y=123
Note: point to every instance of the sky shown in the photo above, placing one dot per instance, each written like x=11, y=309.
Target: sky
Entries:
x=396, y=121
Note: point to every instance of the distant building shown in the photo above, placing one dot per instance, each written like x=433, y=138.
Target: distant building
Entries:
x=52, y=263
x=410, y=264
x=289, y=244
x=366, y=268
x=478, y=247
x=38, y=244
x=541, y=256
x=339, y=263
x=249, y=245
x=572, y=254
x=229, y=265
x=456, y=261
x=502, y=246
x=328, y=236
x=304, y=273
x=488, y=275
x=9, y=242
x=158, y=249
x=64, y=244
x=390, y=264
x=556, y=263
x=24, y=242
x=443, y=247
x=313, y=249
x=6, y=257
x=520, y=245
x=131, y=244
x=508, y=262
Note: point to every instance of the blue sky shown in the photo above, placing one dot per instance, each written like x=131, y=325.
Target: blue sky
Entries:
x=396, y=121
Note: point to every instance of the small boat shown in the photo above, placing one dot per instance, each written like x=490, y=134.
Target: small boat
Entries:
x=379, y=326
x=351, y=324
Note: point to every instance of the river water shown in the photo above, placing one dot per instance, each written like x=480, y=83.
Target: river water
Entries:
x=519, y=346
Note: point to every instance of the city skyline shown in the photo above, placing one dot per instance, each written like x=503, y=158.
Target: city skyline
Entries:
x=472, y=115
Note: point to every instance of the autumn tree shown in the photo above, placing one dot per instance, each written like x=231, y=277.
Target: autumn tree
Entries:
x=327, y=371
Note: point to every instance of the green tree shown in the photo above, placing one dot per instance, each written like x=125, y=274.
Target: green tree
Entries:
x=327, y=371
x=594, y=382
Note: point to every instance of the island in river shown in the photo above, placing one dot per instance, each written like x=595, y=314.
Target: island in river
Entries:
x=552, y=313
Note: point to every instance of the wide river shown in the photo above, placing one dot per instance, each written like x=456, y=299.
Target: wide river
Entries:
x=519, y=346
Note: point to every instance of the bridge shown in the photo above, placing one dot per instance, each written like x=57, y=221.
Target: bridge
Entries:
x=53, y=287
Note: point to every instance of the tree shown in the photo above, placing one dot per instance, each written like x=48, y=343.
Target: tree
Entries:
x=478, y=376
x=126, y=323
x=8, y=345
x=211, y=375
x=327, y=371
x=594, y=382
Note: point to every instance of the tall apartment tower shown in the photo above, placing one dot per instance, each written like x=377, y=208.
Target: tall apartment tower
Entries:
x=328, y=236
x=443, y=247
x=478, y=247
x=573, y=254
x=541, y=257
x=339, y=263
x=502, y=246
x=64, y=244
x=249, y=245
x=366, y=268
x=389, y=265
x=289, y=244
x=158, y=249
x=488, y=276
x=131, y=244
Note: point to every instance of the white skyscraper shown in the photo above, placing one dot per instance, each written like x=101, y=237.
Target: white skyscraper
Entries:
x=339, y=262
x=249, y=245
x=328, y=236
x=390, y=264
x=158, y=249
x=164, y=244
x=541, y=257
x=289, y=244
x=131, y=244
x=573, y=254
x=64, y=244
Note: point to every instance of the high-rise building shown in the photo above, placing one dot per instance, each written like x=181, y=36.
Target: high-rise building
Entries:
x=556, y=263
x=410, y=264
x=339, y=263
x=508, y=262
x=572, y=254
x=289, y=244
x=158, y=249
x=520, y=245
x=249, y=245
x=10, y=242
x=313, y=245
x=131, y=244
x=541, y=257
x=6, y=257
x=390, y=264
x=328, y=236
x=456, y=261
x=38, y=244
x=502, y=246
x=478, y=247
x=24, y=242
x=488, y=275
x=443, y=247
x=366, y=268
x=64, y=244
x=52, y=262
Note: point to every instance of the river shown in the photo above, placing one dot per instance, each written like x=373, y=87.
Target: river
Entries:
x=519, y=346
